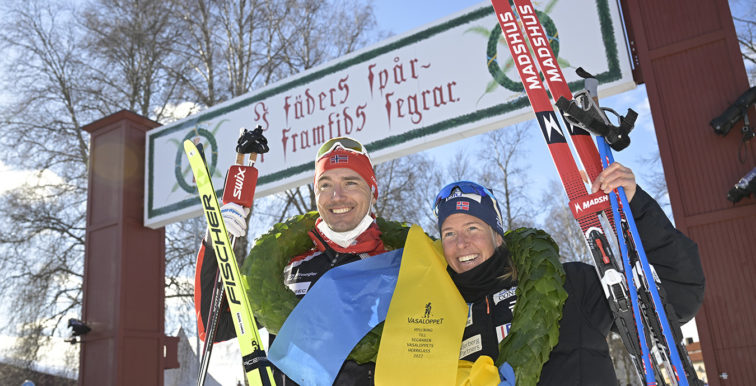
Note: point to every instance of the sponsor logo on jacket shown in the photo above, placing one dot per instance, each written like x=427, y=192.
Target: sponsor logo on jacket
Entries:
x=504, y=295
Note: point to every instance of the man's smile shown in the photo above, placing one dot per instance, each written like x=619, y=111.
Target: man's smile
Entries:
x=340, y=210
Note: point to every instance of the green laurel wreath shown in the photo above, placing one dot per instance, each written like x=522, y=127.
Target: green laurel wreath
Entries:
x=540, y=298
x=272, y=301
x=540, y=293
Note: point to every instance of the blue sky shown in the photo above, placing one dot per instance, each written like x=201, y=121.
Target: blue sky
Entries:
x=401, y=16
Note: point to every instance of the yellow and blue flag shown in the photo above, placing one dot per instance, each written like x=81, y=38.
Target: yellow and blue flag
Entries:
x=340, y=308
x=423, y=331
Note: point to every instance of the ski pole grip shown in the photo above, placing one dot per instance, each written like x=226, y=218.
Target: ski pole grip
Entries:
x=240, y=158
x=241, y=179
x=240, y=185
x=591, y=85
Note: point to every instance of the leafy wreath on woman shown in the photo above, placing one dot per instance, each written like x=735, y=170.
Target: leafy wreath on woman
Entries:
x=540, y=293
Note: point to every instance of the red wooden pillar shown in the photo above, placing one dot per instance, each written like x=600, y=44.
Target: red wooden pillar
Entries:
x=124, y=265
x=688, y=56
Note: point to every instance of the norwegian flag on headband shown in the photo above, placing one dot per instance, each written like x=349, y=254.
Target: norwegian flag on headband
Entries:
x=463, y=205
x=339, y=159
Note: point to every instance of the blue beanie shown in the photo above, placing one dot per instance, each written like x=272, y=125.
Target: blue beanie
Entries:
x=469, y=198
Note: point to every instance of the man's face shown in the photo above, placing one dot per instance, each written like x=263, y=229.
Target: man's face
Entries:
x=343, y=198
x=468, y=241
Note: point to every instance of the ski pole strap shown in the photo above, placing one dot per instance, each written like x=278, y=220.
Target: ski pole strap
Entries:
x=252, y=141
x=584, y=112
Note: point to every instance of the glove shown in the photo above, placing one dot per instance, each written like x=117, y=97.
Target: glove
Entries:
x=507, y=375
x=235, y=218
x=481, y=373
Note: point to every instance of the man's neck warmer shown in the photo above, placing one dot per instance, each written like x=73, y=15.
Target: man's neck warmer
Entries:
x=345, y=239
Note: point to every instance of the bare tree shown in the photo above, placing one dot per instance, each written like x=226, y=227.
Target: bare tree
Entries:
x=197, y=68
x=129, y=54
x=231, y=47
x=505, y=174
x=46, y=70
x=327, y=29
x=407, y=186
x=42, y=227
x=656, y=182
x=746, y=38
x=283, y=205
x=562, y=226
x=459, y=167
x=745, y=26
x=67, y=67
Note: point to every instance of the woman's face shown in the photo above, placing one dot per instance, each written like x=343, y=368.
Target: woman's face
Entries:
x=467, y=241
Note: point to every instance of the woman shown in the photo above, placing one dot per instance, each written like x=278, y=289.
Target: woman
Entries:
x=479, y=263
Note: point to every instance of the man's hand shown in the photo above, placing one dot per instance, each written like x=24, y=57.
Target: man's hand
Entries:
x=614, y=176
x=235, y=217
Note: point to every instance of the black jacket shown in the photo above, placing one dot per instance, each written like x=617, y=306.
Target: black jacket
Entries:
x=581, y=357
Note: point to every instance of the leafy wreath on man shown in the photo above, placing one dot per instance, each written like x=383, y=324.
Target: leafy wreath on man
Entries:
x=540, y=292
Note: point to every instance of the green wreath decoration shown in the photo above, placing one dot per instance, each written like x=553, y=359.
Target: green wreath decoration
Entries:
x=272, y=301
x=540, y=299
x=540, y=292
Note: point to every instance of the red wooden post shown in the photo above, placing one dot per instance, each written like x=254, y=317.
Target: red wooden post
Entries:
x=124, y=265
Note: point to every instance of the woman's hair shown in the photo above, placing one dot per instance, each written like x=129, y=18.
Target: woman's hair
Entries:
x=511, y=271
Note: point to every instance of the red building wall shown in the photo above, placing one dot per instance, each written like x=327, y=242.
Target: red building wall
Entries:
x=688, y=56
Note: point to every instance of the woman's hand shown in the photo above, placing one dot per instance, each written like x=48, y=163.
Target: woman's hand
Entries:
x=614, y=176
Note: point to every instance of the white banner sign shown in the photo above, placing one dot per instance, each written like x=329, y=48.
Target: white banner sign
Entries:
x=432, y=86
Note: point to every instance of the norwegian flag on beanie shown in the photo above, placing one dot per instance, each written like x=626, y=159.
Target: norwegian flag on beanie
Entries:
x=482, y=207
x=341, y=158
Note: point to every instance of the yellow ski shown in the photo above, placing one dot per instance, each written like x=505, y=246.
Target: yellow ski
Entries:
x=256, y=364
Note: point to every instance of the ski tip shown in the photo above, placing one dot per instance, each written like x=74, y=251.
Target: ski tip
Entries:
x=189, y=148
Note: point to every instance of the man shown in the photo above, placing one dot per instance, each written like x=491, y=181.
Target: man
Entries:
x=345, y=191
